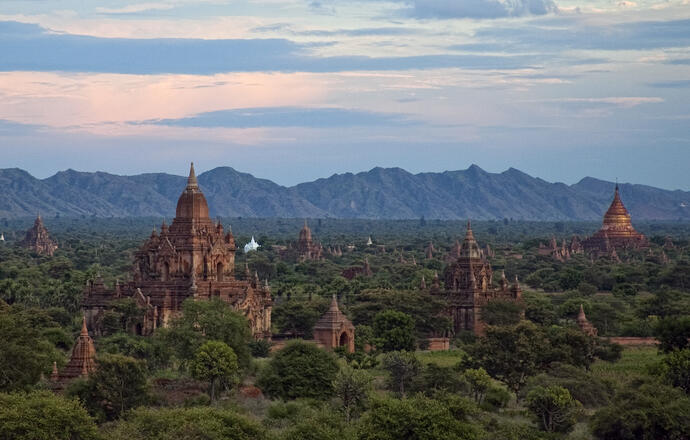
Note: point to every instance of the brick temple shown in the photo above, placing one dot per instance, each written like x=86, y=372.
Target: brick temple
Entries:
x=469, y=286
x=81, y=363
x=38, y=239
x=192, y=258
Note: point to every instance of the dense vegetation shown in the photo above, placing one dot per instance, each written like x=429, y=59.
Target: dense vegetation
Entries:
x=203, y=377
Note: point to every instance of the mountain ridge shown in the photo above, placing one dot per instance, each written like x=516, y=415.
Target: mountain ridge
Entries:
x=390, y=193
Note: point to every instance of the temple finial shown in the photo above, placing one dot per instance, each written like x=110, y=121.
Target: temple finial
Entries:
x=192, y=183
x=84, y=330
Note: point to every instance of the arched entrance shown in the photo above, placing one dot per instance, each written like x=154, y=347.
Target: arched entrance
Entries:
x=165, y=275
x=219, y=271
x=344, y=340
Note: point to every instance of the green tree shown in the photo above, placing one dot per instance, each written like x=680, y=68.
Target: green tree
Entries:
x=352, y=388
x=501, y=312
x=25, y=351
x=674, y=333
x=568, y=345
x=203, y=321
x=298, y=317
x=647, y=411
x=479, y=382
x=44, y=415
x=216, y=363
x=434, y=378
x=300, y=369
x=553, y=407
x=118, y=384
x=394, y=331
x=510, y=354
x=185, y=424
x=676, y=366
x=402, y=367
x=417, y=418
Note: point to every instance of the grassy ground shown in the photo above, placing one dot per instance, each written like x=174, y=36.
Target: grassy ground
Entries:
x=441, y=358
x=635, y=362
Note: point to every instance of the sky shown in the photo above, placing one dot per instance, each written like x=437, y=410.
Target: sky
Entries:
x=294, y=90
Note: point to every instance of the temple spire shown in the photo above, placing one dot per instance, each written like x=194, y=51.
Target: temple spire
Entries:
x=192, y=183
x=84, y=330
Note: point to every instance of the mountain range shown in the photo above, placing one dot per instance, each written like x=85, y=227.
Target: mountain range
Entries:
x=381, y=193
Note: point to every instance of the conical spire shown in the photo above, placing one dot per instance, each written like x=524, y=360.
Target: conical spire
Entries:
x=334, y=305
x=191, y=180
x=84, y=330
x=581, y=315
x=54, y=375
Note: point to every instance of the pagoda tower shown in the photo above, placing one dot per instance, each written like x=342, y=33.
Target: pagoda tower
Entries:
x=617, y=231
x=306, y=248
x=38, y=239
x=81, y=363
x=584, y=323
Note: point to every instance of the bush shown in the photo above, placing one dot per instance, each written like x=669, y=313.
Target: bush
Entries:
x=416, y=418
x=554, y=408
x=645, y=411
x=185, y=424
x=260, y=348
x=394, y=331
x=44, y=415
x=300, y=369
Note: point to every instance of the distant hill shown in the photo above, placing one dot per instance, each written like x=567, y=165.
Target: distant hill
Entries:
x=390, y=193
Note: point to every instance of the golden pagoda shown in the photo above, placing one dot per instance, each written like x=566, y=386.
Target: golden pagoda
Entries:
x=616, y=232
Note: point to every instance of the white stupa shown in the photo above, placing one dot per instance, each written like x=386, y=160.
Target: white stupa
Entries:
x=251, y=246
x=369, y=242
x=2, y=237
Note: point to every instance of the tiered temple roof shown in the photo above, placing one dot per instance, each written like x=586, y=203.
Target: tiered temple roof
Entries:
x=81, y=363
x=617, y=231
x=38, y=239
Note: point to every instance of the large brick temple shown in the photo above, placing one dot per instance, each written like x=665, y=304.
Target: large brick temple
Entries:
x=617, y=231
x=469, y=287
x=192, y=258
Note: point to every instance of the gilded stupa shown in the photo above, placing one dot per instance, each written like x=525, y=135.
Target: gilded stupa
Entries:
x=617, y=231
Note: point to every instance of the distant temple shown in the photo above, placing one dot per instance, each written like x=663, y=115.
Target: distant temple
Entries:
x=81, y=363
x=355, y=271
x=469, y=287
x=38, y=239
x=306, y=248
x=251, y=246
x=334, y=329
x=562, y=252
x=584, y=324
x=191, y=258
x=616, y=232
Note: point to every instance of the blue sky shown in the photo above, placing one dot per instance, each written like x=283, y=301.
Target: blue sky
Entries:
x=293, y=90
